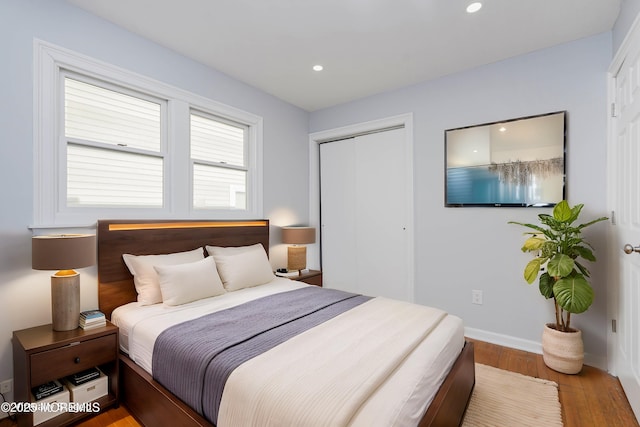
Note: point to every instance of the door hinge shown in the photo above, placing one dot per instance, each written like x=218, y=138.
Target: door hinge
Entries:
x=613, y=326
x=614, y=113
x=613, y=217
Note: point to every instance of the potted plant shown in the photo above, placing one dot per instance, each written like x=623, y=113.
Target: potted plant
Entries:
x=560, y=250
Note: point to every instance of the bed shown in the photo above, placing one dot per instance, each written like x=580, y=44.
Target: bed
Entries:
x=153, y=404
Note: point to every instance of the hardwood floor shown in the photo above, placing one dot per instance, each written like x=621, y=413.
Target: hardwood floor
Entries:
x=591, y=398
x=116, y=417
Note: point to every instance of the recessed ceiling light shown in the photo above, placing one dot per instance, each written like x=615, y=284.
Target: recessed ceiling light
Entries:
x=502, y=129
x=318, y=68
x=474, y=7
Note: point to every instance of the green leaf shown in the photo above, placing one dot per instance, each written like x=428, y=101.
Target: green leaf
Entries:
x=583, y=270
x=533, y=226
x=575, y=212
x=602, y=218
x=549, y=221
x=560, y=265
x=531, y=270
x=562, y=212
x=546, y=285
x=548, y=249
x=573, y=293
x=584, y=253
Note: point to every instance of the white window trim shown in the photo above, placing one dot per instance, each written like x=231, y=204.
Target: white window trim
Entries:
x=49, y=59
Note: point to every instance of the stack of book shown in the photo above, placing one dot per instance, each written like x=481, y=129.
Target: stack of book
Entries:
x=92, y=319
x=47, y=389
x=84, y=376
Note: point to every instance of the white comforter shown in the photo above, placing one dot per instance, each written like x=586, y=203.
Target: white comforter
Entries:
x=401, y=384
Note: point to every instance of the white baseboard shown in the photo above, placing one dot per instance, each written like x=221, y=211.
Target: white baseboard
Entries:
x=504, y=340
x=599, y=362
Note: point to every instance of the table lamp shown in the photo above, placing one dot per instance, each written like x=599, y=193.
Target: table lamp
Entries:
x=298, y=237
x=64, y=253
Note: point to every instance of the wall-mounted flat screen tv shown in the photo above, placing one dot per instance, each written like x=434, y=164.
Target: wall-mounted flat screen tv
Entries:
x=518, y=162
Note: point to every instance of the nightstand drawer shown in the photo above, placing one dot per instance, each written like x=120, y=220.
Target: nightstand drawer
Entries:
x=311, y=277
x=63, y=361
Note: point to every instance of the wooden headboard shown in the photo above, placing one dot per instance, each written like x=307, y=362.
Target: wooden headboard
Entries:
x=146, y=237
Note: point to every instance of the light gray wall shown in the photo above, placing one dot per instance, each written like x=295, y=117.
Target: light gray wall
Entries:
x=24, y=293
x=456, y=249
x=629, y=10
x=461, y=249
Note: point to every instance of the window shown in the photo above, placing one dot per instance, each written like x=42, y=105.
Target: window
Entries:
x=113, y=144
x=218, y=152
x=113, y=140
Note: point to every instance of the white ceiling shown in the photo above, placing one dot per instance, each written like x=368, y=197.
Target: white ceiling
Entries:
x=365, y=46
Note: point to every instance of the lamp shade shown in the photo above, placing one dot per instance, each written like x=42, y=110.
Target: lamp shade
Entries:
x=298, y=235
x=63, y=252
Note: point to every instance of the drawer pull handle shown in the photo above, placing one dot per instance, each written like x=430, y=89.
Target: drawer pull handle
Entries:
x=77, y=360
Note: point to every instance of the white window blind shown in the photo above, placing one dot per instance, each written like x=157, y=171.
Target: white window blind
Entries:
x=111, y=178
x=114, y=147
x=218, y=155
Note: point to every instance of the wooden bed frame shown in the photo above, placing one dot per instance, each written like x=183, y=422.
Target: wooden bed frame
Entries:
x=148, y=401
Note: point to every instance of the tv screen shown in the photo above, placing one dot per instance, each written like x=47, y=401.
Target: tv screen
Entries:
x=517, y=162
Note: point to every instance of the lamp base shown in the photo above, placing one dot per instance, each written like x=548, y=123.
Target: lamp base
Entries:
x=65, y=301
x=296, y=258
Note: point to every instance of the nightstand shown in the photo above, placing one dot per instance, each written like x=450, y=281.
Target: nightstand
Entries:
x=41, y=354
x=313, y=277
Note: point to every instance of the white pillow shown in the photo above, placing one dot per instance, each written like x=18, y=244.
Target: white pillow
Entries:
x=242, y=267
x=145, y=277
x=183, y=283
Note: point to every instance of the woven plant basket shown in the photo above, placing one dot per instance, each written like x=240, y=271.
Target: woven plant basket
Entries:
x=562, y=351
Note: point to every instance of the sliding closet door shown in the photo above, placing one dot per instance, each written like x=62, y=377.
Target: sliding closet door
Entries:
x=338, y=215
x=364, y=214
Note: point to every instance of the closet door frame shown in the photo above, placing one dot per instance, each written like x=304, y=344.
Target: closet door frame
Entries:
x=316, y=138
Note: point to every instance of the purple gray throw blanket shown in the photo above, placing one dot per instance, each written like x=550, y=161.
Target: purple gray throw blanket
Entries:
x=194, y=359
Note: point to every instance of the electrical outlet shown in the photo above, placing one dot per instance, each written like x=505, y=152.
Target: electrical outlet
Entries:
x=476, y=297
x=6, y=386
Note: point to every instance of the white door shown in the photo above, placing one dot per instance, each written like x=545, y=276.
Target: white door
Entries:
x=625, y=198
x=338, y=215
x=364, y=215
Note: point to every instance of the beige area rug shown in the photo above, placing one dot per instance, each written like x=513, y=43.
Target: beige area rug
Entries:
x=507, y=399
